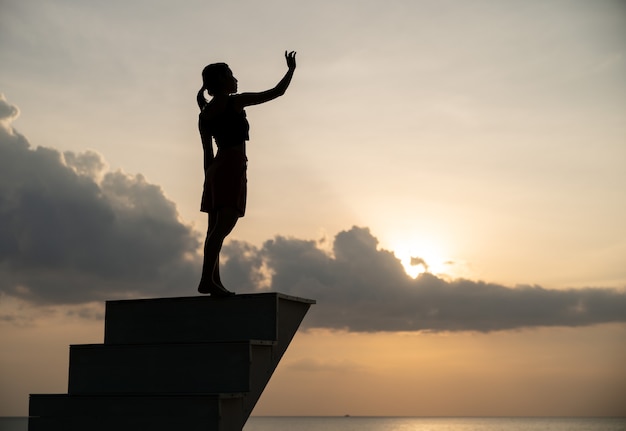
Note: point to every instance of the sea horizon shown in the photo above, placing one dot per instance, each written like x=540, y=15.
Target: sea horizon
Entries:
x=407, y=423
x=422, y=416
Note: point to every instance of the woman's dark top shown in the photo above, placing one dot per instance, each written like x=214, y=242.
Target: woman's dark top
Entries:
x=229, y=128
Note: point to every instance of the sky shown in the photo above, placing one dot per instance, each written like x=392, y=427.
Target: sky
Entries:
x=445, y=178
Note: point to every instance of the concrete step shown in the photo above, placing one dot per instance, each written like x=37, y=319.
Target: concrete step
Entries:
x=202, y=318
x=62, y=412
x=181, y=368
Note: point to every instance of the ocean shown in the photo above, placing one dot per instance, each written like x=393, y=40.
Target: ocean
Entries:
x=433, y=424
x=261, y=423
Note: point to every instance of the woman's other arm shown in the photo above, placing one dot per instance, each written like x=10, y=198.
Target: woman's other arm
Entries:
x=207, y=144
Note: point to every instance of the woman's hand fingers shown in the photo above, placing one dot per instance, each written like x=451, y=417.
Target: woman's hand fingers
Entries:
x=291, y=59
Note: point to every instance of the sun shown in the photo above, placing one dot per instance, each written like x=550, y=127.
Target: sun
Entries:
x=420, y=258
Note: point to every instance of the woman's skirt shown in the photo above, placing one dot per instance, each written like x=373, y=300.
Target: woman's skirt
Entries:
x=225, y=183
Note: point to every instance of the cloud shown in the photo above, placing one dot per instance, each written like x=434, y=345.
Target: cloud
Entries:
x=418, y=261
x=362, y=288
x=318, y=365
x=73, y=232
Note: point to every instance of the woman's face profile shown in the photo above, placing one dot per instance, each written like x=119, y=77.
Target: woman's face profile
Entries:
x=229, y=82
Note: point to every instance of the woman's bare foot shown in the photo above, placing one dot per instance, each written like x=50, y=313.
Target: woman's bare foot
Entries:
x=214, y=289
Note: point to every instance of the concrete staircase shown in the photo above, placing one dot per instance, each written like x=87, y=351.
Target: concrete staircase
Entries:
x=191, y=363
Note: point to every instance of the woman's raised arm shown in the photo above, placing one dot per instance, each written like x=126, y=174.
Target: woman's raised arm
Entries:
x=248, y=99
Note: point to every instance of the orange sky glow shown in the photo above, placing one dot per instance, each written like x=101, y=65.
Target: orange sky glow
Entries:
x=446, y=178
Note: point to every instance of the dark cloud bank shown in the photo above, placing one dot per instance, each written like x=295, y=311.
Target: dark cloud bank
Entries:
x=363, y=288
x=71, y=232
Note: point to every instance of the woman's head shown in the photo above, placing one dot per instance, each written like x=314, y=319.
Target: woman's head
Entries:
x=218, y=77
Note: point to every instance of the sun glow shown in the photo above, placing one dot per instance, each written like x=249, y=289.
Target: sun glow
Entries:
x=418, y=259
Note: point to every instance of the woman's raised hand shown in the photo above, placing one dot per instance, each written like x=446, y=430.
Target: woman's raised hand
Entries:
x=291, y=59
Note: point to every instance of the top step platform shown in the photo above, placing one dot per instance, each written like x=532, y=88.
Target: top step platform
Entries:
x=269, y=316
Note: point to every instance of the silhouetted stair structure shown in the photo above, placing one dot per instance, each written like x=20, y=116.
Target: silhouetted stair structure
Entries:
x=192, y=363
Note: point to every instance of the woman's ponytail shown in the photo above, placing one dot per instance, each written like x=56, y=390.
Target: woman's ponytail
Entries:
x=202, y=102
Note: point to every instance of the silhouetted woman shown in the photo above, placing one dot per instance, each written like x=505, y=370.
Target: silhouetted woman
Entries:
x=223, y=119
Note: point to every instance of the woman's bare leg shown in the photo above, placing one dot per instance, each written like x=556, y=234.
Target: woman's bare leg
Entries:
x=220, y=225
x=206, y=273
